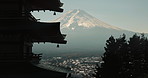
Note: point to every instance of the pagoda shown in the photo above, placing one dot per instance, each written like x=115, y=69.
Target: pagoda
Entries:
x=19, y=30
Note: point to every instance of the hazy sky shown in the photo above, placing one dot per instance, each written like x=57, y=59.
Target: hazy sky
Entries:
x=125, y=14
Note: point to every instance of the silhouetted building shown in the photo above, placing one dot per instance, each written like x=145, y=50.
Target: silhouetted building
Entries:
x=19, y=30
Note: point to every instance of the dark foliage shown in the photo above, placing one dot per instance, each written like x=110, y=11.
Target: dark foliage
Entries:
x=124, y=58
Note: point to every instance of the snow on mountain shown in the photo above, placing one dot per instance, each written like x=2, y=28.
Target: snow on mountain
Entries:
x=74, y=18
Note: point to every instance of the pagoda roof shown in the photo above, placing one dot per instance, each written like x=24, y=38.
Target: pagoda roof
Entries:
x=53, y=5
x=36, y=31
x=31, y=5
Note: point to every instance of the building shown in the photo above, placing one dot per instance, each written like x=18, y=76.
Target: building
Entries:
x=19, y=30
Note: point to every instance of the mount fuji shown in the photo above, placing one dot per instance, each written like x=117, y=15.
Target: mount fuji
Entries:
x=85, y=33
x=79, y=18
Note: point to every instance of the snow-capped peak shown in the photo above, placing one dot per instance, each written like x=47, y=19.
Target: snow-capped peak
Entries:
x=74, y=18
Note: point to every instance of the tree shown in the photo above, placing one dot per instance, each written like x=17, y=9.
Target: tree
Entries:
x=112, y=60
x=124, y=59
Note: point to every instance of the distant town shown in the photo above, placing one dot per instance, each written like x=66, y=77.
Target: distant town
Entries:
x=77, y=67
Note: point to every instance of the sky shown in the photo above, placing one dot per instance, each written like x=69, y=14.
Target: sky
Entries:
x=126, y=14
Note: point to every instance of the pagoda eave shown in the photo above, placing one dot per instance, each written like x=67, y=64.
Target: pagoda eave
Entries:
x=50, y=9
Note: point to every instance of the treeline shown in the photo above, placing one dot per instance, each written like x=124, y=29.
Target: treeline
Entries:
x=124, y=58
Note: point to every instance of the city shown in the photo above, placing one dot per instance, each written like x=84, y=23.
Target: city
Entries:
x=82, y=67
